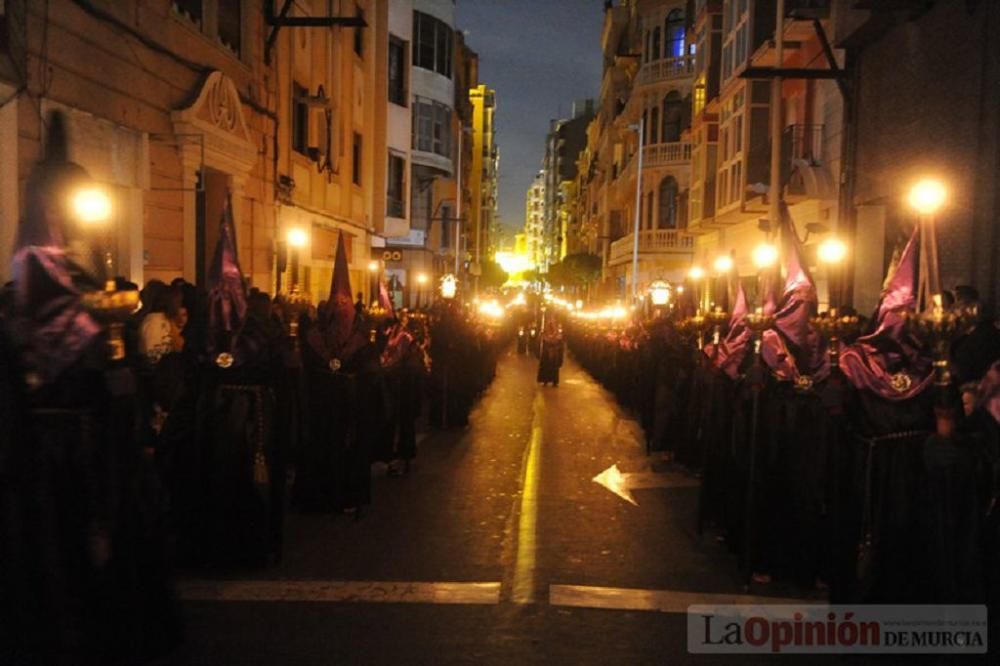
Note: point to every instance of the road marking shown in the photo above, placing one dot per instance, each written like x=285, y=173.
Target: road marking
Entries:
x=527, y=527
x=623, y=483
x=340, y=591
x=663, y=601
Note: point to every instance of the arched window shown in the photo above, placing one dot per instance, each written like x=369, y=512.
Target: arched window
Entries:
x=645, y=124
x=654, y=125
x=649, y=211
x=673, y=117
x=655, y=54
x=668, y=204
x=645, y=56
x=675, y=34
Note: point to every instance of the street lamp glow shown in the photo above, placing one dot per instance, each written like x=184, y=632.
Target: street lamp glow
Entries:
x=765, y=255
x=723, y=264
x=373, y=266
x=422, y=278
x=696, y=273
x=92, y=205
x=449, y=285
x=927, y=196
x=298, y=238
x=832, y=251
x=659, y=292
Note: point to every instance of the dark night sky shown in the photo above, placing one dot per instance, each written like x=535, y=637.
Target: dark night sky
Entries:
x=539, y=56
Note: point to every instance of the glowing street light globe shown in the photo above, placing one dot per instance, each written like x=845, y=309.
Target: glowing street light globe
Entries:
x=927, y=196
x=421, y=278
x=659, y=293
x=91, y=205
x=696, y=273
x=298, y=238
x=449, y=285
x=832, y=251
x=373, y=266
x=723, y=264
x=765, y=255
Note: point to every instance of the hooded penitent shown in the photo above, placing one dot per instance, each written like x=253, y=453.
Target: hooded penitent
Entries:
x=338, y=316
x=50, y=324
x=227, y=298
x=794, y=348
x=733, y=349
x=887, y=361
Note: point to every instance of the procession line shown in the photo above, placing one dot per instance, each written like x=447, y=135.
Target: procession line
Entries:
x=527, y=528
x=662, y=601
x=327, y=591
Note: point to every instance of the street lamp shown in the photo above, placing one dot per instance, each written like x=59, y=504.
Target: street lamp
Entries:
x=765, y=255
x=926, y=197
x=91, y=205
x=297, y=239
x=832, y=252
x=449, y=285
x=723, y=265
x=659, y=293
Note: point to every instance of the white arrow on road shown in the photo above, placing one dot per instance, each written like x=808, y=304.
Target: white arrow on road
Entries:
x=623, y=483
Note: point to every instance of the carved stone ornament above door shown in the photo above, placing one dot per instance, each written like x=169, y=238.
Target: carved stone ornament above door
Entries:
x=217, y=116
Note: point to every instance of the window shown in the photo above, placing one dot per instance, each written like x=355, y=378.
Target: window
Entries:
x=655, y=55
x=230, y=21
x=668, y=203
x=300, y=119
x=673, y=114
x=432, y=127
x=395, y=205
x=359, y=34
x=356, y=160
x=397, y=71
x=654, y=123
x=432, y=44
x=675, y=34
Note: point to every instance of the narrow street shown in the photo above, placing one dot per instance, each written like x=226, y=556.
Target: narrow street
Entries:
x=498, y=547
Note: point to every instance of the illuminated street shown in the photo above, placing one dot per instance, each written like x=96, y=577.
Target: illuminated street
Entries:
x=463, y=516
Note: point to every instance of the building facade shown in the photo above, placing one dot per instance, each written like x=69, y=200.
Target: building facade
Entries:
x=534, y=222
x=333, y=117
x=645, y=105
x=483, y=181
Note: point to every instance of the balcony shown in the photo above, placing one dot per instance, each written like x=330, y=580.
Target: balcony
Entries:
x=667, y=69
x=652, y=241
x=676, y=154
x=666, y=154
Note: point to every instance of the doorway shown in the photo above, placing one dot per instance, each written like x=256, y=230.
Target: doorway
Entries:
x=210, y=201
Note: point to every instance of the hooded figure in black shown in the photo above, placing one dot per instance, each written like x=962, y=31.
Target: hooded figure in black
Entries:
x=84, y=577
x=344, y=401
x=242, y=478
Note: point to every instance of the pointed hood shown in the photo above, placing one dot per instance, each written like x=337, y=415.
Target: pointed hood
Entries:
x=794, y=347
x=733, y=349
x=888, y=361
x=227, y=298
x=339, y=311
x=49, y=322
